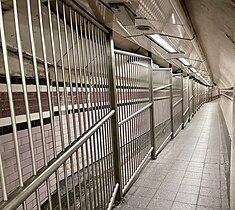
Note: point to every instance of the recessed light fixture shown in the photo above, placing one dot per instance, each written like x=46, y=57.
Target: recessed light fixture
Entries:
x=193, y=69
x=159, y=40
x=173, y=18
x=184, y=61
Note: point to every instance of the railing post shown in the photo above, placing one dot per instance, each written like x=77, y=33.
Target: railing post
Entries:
x=114, y=118
x=189, y=108
x=171, y=106
x=182, y=96
x=151, y=108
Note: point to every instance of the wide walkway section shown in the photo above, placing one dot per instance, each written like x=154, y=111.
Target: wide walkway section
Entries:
x=189, y=173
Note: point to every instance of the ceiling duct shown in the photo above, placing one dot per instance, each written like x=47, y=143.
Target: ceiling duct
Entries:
x=124, y=11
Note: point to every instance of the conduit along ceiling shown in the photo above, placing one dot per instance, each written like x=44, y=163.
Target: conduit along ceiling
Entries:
x=162, y=27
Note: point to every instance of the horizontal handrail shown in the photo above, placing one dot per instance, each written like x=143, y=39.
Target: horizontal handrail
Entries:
x=161, y=98
x=134, y=114
x=185, y=112
x=21, y=194
x=176, y=103
x=138, y=101
x=161, y=69
x=229, y=97
x=178, y=74
x=131, y=54
x=162, y=87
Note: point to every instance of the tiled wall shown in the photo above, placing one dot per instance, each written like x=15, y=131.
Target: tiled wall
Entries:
x=7, y=144
x=8, y=155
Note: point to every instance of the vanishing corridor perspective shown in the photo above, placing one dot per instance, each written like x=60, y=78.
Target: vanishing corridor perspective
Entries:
x=117, y=104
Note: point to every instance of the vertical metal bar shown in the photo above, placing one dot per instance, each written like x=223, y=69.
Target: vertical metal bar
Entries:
x=131, y=111
x=124, y=115
x=128, y=112
x=120, y=63
x=2, y=178
x=9, y=91
x=135, y=67
x=91, y=89
x=21, y=62
x=36, y=79
x=120, y=100
x=103, y=111
x=106, y=99
x=78, y=107
x=72, y=101
x=81, y=66
x=65, y=97
x=100, y=107
x=151, y=108
x=171, y=105
x=96, y=108
x=189, y=110
x=115, y=130
x=96, y=104
x=138, y=84
x=182, y=96
x=48, y=91
x=86, y=71
x=57, y=92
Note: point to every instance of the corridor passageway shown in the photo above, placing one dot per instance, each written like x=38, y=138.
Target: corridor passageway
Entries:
x=108, y=102
x=189, y=173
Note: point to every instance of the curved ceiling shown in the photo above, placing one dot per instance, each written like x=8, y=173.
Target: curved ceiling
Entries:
x=214, y=23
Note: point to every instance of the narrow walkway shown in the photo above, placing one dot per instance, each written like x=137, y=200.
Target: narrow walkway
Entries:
x=188, y=173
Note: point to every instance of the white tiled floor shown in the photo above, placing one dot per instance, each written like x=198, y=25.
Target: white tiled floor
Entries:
x=188, y=173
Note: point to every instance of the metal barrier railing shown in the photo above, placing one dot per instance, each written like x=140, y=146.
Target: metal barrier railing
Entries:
x=195, y=96
x=177, y=97
x=186, y=113
x=191, y=105
x=162, y=107
x=132, y=73
x=73, y=167
x=93, y=116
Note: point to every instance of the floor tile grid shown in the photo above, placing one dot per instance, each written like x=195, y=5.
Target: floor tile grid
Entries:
x=189, y=205
x=200, y=197
x=208, y=163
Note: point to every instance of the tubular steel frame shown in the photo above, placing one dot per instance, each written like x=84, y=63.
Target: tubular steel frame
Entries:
x=106, y=124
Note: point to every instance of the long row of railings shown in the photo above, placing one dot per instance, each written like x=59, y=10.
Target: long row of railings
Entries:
x=64, y=157
x=82, y=118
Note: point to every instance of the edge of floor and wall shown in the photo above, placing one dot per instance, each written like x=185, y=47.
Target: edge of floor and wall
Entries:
x=223, y=139
x=226, y=147
x=161, y=148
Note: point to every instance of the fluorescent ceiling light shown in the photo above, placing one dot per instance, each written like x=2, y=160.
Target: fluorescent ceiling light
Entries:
x=173, y=18
x=184, y=61
x=193, y=69
x=163, y=43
